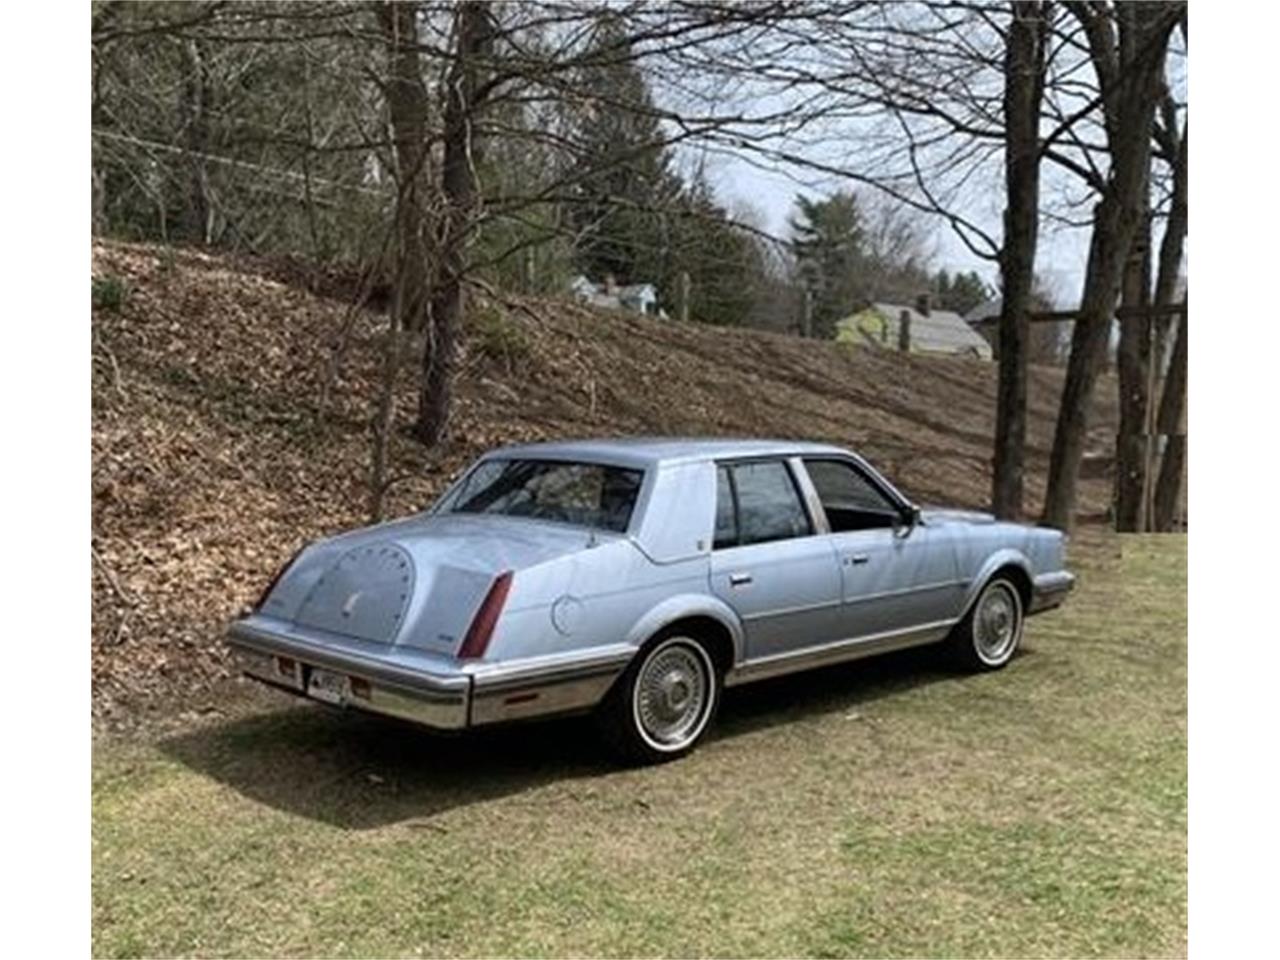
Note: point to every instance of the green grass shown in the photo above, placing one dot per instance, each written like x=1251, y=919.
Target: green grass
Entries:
x=883, y=808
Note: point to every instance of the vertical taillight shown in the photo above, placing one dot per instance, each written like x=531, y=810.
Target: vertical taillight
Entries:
x=480, y=632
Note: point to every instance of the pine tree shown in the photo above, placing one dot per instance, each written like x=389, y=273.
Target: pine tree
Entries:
x=828, y=240
x=622, y=184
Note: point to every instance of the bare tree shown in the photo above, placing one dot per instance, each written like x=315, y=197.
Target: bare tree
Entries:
x=1024, y=68
x=409, y=111
x=463, y=149
x=1127, y=46
x=1173, y=400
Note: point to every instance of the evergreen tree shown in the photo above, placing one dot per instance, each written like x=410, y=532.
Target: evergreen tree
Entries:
x=622, y=185
x=724, y=262
x=960, y=293
x=828, y=241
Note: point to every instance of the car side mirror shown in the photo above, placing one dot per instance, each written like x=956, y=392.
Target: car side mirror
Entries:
x=909, y=518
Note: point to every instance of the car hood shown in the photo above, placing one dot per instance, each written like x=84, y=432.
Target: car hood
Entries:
x=418, y=581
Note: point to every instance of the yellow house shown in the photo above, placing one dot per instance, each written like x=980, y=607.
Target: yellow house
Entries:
x=938, y=332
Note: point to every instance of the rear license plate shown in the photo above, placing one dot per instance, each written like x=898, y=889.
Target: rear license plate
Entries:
x=329, y=686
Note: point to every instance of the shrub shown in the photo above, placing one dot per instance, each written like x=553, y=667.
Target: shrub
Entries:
x=498, y=337
x=109, y=293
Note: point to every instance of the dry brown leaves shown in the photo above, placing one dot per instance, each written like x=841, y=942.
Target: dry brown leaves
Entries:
x=209, y=466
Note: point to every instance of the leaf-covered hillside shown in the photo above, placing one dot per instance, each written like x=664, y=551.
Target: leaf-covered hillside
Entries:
x=211, y=464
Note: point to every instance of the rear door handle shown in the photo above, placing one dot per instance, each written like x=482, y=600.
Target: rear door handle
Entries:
x=858, y=558
x=739, y=579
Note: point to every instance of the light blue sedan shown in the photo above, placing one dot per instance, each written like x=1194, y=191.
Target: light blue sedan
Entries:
x=636, y=579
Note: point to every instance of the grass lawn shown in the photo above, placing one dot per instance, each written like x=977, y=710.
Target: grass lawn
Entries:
x=878, y=808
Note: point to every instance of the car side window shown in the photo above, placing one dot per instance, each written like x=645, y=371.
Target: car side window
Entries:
x=764, y=501
x=726, y=511
x=851, y=501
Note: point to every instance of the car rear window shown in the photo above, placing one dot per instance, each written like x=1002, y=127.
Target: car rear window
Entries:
x=582, y=494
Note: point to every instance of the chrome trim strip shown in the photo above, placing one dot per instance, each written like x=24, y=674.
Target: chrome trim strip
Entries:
x=502, y=674
x=838, y=651
x=896, y=593
x=787, y=611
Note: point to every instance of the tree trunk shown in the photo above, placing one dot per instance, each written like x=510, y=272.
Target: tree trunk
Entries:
x=408, y=108
x=462, y=155
x=196, y=95
x=1173, y=401
x=384, y=414
x=1129, y=68
x=1172, y=417
x=1132, y=359
x=1024, y=86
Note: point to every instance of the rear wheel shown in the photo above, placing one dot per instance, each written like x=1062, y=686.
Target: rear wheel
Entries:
x=989, y=634
x=664, y=702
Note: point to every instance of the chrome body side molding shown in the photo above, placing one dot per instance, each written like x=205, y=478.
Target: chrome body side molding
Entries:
x=840, y=651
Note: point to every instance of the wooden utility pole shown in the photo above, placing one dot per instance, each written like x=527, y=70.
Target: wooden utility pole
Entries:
x=904, y=332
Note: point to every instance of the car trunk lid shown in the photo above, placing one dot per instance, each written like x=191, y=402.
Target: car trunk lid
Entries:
x=420, y=582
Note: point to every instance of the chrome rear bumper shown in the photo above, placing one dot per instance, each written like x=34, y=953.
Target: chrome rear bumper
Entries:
x=434, y=698
x=1048, y=590
x=428, y=689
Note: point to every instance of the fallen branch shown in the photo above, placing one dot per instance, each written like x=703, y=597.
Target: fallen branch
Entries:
x=125, y=597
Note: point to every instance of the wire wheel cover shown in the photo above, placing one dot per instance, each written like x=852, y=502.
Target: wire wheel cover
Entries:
x=996, y=622
x=672, y=694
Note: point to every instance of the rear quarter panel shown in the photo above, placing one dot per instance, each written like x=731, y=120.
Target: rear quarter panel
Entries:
x=605, y=595
x=625, y=590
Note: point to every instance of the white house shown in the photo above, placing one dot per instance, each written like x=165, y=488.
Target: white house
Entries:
x=636, y=297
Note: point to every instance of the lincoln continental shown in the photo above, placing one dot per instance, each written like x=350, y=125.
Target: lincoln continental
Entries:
x=635, y=580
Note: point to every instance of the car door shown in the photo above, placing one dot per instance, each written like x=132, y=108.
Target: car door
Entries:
x=895, y=575
x=768, y=561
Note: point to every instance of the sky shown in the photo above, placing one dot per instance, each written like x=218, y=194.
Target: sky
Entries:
x=1060, y=259
x=1062, y=251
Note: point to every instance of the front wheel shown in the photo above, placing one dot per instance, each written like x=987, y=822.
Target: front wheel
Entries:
x=664, y=702
x=990, y=632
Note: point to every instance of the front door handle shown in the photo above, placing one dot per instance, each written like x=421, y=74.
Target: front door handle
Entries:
x=739, y=579
x=858, y=558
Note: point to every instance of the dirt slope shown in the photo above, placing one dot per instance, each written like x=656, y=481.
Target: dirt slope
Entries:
x=210, y=467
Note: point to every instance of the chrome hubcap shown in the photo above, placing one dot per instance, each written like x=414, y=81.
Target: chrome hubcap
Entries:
x=671, y=695
x=996, y=623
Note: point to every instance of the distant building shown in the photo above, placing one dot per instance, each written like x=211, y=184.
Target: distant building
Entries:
x=636, y=297
x=984, y=319
x=937, y=332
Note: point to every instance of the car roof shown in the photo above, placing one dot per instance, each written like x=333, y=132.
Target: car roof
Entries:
x=649, y=451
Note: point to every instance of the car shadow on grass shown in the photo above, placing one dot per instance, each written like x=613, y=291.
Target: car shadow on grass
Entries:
x=358, y=771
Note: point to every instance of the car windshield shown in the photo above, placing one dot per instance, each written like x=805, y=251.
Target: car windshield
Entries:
x=584, y=494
